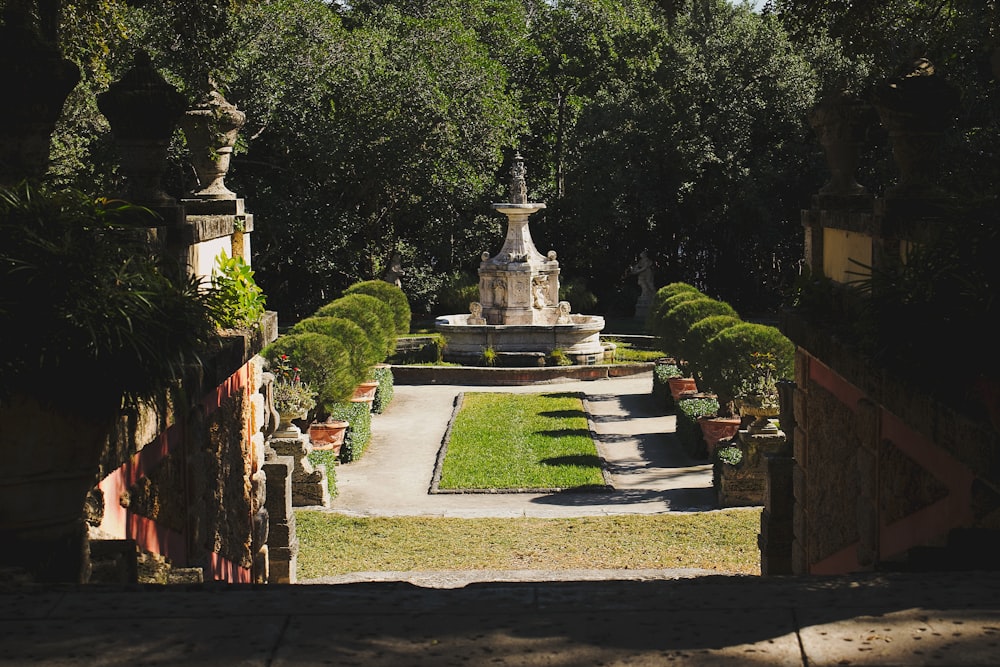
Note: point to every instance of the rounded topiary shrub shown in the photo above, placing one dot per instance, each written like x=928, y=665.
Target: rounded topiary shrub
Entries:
x=661, y=296
x=657, y=328
x=363, y=353
x=732, y=353
x=675, y=322
x=698, y=335
x=323, y=362
x=389, y=294
x=371, y=314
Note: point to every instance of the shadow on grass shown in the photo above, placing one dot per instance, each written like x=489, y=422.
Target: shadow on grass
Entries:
x=581, y=460
x=563, y=414
x=566, y=433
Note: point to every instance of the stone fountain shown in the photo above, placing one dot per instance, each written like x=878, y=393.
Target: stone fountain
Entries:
x=519, y=316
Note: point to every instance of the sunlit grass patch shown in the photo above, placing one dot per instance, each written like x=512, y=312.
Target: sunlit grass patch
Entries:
x=722, y=541
x=520, y=441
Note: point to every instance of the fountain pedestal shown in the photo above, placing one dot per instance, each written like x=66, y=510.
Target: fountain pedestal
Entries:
x=519, y=314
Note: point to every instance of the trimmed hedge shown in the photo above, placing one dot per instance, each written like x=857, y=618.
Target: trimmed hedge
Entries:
x=675, y=322
x=695, y=346
x=662, y=294
x=730, y=356
x=389, y=294
x=386, y=389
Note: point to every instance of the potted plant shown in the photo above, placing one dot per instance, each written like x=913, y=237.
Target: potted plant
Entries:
x=293, y=398
x=325, y=365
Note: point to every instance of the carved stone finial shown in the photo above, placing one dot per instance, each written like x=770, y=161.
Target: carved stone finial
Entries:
x=518, y=187
x=143, y=110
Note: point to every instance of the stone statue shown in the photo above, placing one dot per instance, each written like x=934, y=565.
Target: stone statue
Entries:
x=538, y=285
x=395, y=271
x=499, y=293
x=476, y=316
x=644, y=270
x=563, y=317
x=518, y=188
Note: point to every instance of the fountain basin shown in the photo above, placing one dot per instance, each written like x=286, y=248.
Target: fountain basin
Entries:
x=521, y=344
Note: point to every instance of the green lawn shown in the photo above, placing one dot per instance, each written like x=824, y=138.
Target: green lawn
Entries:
x=723, y=541
x=520, y=441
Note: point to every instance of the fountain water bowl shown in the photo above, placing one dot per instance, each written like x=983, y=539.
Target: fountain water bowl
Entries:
x=519, y=316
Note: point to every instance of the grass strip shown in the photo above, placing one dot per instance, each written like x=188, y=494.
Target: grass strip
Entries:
x=723, y=541
x=502, y=441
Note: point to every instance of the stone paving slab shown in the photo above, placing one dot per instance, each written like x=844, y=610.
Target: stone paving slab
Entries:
x=889, y=619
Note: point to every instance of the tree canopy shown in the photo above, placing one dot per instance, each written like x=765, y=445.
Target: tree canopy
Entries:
x=380, y=127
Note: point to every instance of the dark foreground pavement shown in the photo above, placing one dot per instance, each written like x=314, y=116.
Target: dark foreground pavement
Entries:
x=899, y=619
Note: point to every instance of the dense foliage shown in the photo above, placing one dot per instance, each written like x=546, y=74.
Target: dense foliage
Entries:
x=378, y=128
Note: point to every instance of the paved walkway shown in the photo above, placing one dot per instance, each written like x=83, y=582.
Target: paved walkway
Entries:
x=648, y=470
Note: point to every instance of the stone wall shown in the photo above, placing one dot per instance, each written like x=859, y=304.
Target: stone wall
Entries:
x=881, y=470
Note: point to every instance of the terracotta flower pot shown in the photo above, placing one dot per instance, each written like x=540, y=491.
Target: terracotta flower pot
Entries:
x=679, y=386
x=328, y=435
x=718, y=429
x=365, y=392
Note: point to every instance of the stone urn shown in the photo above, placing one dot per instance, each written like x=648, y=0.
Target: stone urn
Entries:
x=38, y=80
x=286, y=427
x=838, y=121
x=916, y=106
x=211, y=127
x=143, y=109
x=762, y=409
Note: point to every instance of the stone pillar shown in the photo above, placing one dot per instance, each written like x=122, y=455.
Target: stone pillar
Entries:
x=36, y=80
x=775, y=539
x=309, y=486
x=282, y=542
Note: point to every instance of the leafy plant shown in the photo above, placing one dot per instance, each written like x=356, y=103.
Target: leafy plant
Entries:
x=359, y=433
x=560, y=358
x=688, y=429
x=732, y=455
x=489, y=356
x=92, y=315
x=239, y=301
